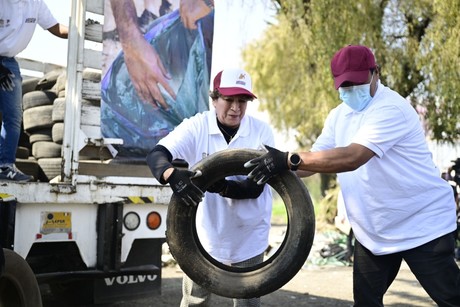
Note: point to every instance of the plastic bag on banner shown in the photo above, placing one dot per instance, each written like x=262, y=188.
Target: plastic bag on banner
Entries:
x=124, y=115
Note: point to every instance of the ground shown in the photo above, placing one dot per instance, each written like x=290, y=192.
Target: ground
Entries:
x=318, y=283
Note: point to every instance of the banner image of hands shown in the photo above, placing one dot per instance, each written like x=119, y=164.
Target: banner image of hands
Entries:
x=156, y=68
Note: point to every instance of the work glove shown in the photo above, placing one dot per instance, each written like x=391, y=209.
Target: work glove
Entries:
x=268, y=165
x=6, y=79
x=182, y=185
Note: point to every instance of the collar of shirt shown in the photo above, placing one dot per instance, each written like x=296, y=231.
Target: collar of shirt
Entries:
x=214, y=129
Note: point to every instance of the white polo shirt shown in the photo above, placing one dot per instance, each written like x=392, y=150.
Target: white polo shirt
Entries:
x=230, y=230
x=18, y=19
x=397, y=200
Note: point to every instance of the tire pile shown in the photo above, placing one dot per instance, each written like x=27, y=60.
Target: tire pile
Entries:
x=40, y=145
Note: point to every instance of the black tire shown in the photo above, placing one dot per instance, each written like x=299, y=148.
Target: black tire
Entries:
x=234, y=282
x=22, y=153
x=18, y=285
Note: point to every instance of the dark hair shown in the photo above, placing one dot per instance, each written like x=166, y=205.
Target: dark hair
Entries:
x=215, y=94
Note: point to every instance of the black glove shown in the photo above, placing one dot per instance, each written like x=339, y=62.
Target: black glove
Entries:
x=268, y=165
x=217, y=186
x=6, y=79
x=181, y=184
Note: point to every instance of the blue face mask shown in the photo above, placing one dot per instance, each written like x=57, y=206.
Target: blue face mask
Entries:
x=356, y=97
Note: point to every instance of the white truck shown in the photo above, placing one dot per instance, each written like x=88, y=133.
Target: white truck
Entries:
x=94, y=233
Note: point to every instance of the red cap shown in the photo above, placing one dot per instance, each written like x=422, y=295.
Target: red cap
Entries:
x=232, y=82
x=352, y=63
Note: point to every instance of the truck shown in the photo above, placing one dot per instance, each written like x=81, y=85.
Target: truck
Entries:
x=89, y=230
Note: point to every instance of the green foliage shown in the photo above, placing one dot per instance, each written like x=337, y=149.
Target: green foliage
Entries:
x=416, y=43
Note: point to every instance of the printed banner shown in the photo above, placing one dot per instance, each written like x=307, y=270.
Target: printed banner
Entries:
x=155, y=73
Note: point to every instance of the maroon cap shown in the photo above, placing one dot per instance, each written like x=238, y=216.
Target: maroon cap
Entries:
x=231, y=82
x=352, y=63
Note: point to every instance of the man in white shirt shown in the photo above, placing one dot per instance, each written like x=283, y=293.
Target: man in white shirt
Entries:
x=18, y=19
x=398, y=205
x=233, y=220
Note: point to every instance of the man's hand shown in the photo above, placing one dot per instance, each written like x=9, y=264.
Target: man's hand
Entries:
x=6, y=79
x=268, y=165
x=182, y=186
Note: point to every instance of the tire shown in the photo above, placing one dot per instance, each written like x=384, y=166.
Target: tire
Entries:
x=29, y=85
x=49, y=79
x=58, y=133
x=234, y=282
x=46, y=150
x=18, y=285
x=43, y=135
x=38, y=118
x=49, y=168
x=38, y=98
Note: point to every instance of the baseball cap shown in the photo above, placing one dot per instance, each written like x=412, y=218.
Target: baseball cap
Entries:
x=233, y=81
x=352, y=63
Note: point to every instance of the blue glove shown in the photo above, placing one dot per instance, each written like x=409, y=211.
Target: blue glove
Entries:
x=268, y=165
x=182, y=185
x=6, y=79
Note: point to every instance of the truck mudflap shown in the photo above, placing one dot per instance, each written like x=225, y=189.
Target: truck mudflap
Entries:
x=121, y=275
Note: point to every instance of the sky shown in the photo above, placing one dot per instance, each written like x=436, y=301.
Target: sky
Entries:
x=237, y=22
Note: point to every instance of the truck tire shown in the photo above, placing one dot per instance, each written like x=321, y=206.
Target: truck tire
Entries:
x=234, y=282
x=18, y=285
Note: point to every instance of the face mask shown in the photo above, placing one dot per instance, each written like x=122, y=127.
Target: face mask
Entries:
x=356, y=97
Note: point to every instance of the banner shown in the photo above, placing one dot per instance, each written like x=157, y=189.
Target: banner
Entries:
x=150, y=86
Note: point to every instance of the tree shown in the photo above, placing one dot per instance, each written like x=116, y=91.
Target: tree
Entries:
x=416, y=43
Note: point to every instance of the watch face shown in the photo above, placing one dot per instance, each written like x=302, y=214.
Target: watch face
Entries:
x=295, y=159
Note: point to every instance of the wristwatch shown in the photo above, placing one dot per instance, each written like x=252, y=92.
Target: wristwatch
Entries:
x=294, y=160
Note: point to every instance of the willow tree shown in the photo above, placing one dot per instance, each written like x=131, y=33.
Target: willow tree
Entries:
x=416, y=43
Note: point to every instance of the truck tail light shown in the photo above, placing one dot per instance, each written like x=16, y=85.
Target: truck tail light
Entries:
x=131, y=220
x=153, y=220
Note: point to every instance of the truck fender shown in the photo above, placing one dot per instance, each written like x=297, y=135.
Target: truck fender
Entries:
x=234, y=282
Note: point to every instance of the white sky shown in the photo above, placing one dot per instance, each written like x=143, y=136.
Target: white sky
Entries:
x=237, y=22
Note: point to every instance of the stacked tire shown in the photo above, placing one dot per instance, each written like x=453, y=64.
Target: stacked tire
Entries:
x=44, y=105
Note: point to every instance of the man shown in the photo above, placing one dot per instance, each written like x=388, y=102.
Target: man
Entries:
x=17, y=24
x=398, y=205
x=233, y=220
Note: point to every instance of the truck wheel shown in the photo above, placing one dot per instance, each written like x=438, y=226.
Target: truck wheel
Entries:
x=234, y=282
x=18, y=285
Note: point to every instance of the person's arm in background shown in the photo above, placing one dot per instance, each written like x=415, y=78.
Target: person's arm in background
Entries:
x=192, y=10
x=142, y=61
x=59, y=30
